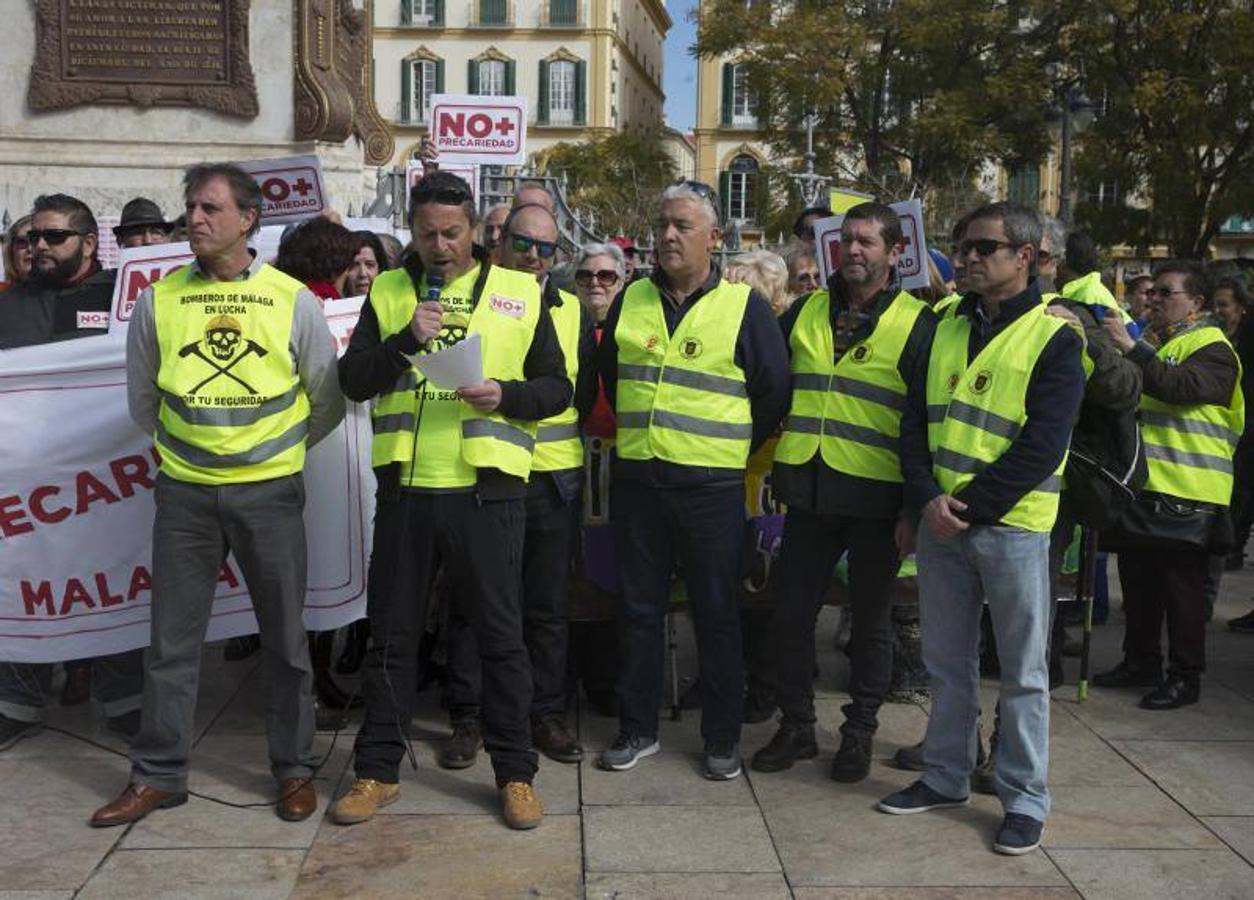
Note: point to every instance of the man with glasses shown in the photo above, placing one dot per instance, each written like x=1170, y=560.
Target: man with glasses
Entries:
x=697, y=372
x=982, y=451
x=67, y=294
x=142, y=225
x=492, y=223
x=803, y=226
x=452, y=469
x=529, y=244
x=857, y=348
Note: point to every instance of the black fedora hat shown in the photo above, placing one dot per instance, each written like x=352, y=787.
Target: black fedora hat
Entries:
x=139, y=213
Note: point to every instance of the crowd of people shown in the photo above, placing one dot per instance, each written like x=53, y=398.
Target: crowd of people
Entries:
x=974, y=430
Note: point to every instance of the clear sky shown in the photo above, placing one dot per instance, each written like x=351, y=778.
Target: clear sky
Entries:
x=679, y=69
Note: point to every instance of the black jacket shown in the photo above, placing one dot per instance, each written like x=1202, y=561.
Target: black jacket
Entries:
x=373, y=362
x=32, y=314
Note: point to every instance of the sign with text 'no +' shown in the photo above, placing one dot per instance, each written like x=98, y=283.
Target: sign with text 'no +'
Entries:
x=292, y=188
x=474, y=130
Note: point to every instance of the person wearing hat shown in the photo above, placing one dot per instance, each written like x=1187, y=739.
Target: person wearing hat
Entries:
x=630, y=253
x=142, y=225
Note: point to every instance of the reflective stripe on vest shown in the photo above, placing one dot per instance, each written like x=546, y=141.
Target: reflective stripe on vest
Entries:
x=1189, y=447
x=681, y=397
x=507, y=328
x=558, y=445
x=848, y=411
x=977, y=409
x=232, y=407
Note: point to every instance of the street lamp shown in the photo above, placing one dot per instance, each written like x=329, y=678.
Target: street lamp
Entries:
x=1074, y=109
x=809, y=183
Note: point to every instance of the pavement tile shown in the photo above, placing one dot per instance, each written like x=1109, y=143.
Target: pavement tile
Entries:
x=36, y=895
x=186, y=874
x=935, y=893
x=461, y=857
x=831, y=834
x=432, y=790
x=235, y=768
x=672, y=886
x=1133, y=818
x=1236, y=831
x=677, y=839
x=900, y=725
x=1138, y=874
x=1221, y=714
x=1208, y=778
x=47, y=843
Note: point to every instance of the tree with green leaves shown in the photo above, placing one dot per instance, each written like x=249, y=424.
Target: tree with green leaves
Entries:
x=1175, y=127
x=912, y=95
x=616, y=177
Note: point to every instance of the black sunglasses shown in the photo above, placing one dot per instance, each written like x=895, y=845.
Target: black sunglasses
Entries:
x=54, y=237
x=705, y=192
x=982, y=246
x=604, y=277
x=522, y=243
x=21, y=243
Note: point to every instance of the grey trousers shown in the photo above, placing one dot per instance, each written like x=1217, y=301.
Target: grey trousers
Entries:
x=116, y=681
x=194, y=528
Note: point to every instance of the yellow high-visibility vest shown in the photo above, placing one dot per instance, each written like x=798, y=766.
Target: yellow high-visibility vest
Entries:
x=505, y=317
x=558, y=444
x=232, y=407
x=976, y=410
x=682, y=397
x=1189, y=448
x=849, y=411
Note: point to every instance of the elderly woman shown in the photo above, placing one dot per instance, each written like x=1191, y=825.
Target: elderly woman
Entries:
x=600, y=272
x=1191, y=417
x=16, y=253
x=766, y=273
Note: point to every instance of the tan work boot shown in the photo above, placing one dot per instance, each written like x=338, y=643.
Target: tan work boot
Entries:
x=523, y=808
x=363, y=800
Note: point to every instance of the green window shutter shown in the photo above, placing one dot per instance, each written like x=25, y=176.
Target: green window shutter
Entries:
x=581, y=93
x=726, y=118
x=438, y=18
x=542, y=106
x=407, y=12
x=472, y=77
x=761, y=198
x=407, y=88
x=439, y=76
x=724, y=195
x=509, y=78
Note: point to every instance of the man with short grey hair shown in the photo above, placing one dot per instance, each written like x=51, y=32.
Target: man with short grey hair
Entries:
x=697, y=372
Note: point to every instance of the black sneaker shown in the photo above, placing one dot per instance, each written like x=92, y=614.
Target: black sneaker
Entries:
x=916, y=799
x=12, y=731
x=790, y=744
x=759, y=704
x=910, y=758
x=722, y=762
x=1019, y=834
x=852, y=762
x=1242, y=624
x=1126, y=675
x=627, y=750
x=1173, y=693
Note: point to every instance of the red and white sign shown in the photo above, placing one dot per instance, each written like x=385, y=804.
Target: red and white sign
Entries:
x=474, y=130
x=911, y=265
x=92, y=318
x=292, y=188
x=467, y=173
x=508, y=306
x=139, y=267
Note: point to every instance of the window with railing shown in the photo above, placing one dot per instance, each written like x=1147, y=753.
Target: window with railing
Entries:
x=738, y=102
x=563, y=12
x=562, y=92
x=493, y=12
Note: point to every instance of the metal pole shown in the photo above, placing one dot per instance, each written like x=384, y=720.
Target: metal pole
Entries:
x=1064, y=189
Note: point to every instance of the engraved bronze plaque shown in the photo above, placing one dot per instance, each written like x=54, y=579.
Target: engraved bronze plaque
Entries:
x=145, y=52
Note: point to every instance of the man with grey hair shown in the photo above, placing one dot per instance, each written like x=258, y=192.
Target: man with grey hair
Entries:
x=697, y=372
x=491, y=228
x=983, y=448
x=231, y=367
x=534, y=193
x=1053, y=242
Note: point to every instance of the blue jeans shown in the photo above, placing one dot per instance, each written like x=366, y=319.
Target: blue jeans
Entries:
x=1008, y=568
x=116, y=683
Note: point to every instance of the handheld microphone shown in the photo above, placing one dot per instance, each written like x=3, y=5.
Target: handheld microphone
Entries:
x=435, y=284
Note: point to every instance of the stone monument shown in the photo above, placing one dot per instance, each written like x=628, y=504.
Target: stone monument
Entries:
x=121, y=95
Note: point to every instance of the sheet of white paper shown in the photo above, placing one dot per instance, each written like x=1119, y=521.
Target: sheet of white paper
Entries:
x=456, y=367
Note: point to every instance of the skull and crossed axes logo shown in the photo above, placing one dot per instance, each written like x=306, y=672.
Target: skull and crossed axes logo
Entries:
x=227, y=346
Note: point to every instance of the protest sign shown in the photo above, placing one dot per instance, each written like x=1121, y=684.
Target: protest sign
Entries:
x=76, y=509
x=139, y=267
x=107, y=249
x=911, y=265
x=467, y=173
x=292, y=188
x=472, y=130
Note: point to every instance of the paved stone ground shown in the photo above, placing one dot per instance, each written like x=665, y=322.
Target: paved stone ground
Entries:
x=1145, y=805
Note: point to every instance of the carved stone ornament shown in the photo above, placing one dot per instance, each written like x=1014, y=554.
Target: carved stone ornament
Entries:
x=143, y=52
x=334, y=97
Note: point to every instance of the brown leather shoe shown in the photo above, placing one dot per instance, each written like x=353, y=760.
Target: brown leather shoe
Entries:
x=137, y=801
x=551, y=737
x=462, y=747
x=297, y=799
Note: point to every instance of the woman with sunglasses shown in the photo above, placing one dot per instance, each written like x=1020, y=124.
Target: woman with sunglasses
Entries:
x=599, y=273
x=1192, y=414
x=16, y=253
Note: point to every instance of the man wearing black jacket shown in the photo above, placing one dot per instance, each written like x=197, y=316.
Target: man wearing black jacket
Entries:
x=451, y=468
x=697, y=372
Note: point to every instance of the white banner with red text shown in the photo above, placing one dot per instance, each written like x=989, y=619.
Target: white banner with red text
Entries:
x=76, y=508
